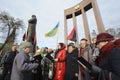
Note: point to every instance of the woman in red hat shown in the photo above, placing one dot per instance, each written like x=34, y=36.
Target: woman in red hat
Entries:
x=109, y=58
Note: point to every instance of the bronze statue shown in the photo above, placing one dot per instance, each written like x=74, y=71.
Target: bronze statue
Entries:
x=31, y=32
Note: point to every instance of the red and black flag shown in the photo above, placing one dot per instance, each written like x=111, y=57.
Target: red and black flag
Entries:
x=24, y=36
x=72, y=35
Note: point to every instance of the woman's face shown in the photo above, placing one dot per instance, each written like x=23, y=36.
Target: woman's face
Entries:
x=70, y=49
x=101, y=44
x=59, y=46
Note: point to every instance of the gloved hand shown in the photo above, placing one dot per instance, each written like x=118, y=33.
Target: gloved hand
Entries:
x=96, y=69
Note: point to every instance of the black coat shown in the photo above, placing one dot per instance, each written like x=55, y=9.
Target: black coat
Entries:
x=71, y=66
x=111, y=65
x=7, y=61
x=38, y=74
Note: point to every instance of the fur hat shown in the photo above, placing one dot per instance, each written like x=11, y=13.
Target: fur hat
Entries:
x=104, y=37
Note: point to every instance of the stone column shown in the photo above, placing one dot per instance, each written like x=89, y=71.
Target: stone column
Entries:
x=98, y=18
x=65, y=30
x=85, y=23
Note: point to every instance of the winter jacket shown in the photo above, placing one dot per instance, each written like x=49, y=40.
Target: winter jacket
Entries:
x=47, y=66
x=60, y=65
x=38, y=70
x=7, y=62
x=71, y=66
x=8, y=58
x=86, y=53
x=22, y=67
x=109, y=61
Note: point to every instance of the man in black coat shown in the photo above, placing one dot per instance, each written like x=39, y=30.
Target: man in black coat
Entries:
x=72, y=69
x=7, y=62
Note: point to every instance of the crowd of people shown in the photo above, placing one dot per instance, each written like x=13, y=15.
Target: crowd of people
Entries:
x=63, y=63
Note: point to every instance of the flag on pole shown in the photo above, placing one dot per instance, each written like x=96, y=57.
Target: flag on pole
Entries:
x=72, y=35
x=24, y=36
x=53, y=32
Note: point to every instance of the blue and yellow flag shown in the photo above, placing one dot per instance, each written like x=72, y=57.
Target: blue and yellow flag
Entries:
x=53, y=32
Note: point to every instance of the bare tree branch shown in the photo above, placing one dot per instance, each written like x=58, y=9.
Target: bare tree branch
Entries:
x=9, y=24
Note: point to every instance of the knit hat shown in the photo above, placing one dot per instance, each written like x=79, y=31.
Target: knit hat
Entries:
x=104, y=37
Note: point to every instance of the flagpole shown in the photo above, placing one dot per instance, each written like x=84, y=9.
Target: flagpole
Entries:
x=57, y=39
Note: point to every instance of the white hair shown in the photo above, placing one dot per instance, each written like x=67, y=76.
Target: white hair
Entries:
x=25, y=45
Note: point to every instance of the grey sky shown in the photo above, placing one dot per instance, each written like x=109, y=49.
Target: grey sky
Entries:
x=49, y=12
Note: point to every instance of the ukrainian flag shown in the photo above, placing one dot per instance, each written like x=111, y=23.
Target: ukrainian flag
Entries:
x=53, y=32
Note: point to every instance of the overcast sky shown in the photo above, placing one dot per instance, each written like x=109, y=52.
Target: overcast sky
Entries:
x=49, y=12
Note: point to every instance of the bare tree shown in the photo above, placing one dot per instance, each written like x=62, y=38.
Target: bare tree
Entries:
x=9, y=24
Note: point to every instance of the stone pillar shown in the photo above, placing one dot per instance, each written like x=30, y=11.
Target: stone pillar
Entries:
x=81, y=9
x=85, y=23
x=65, y=30
x=99, y=22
